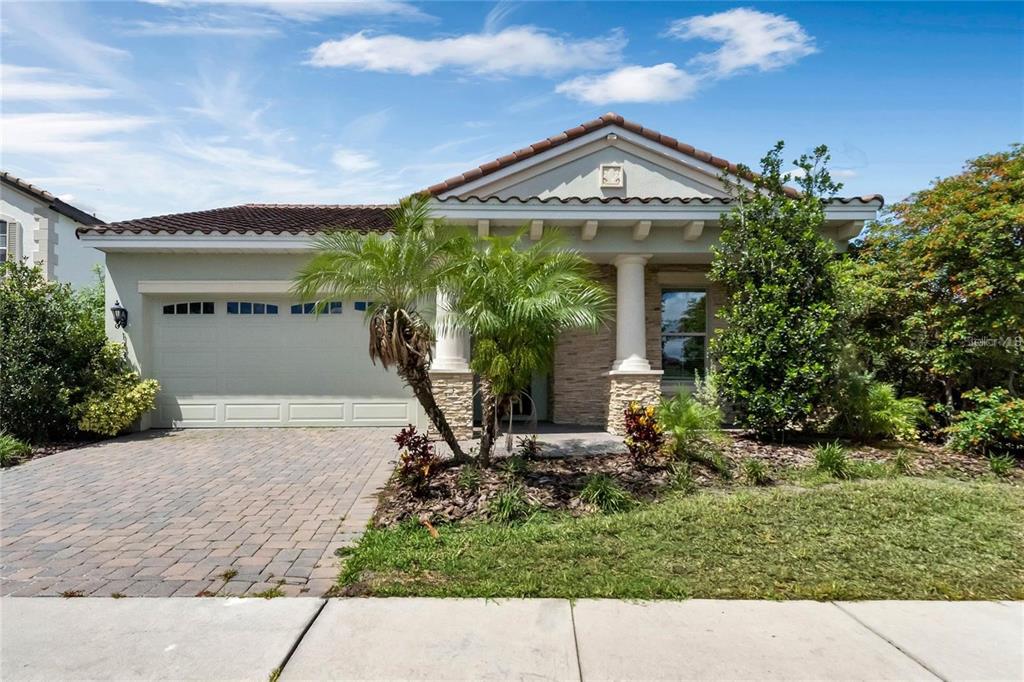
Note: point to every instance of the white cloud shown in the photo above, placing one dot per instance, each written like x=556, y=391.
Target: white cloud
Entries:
x=305, y=10
x=197, y=28
x=65, y=133
x=659, y=83
x=32, y=83
x=351, y=161
x=521, y=50
x=750, y=40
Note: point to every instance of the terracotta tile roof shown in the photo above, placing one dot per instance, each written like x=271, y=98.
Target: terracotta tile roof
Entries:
x=580, y=130
x=258, y=219
x=58, y=205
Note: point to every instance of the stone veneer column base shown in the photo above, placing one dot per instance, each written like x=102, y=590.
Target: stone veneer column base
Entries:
x=625, y=387
x=453, y=392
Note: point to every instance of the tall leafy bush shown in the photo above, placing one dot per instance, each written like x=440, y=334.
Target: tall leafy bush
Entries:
x=943, y=282
x=993, y=423
x=48, y=338
x=776, y=357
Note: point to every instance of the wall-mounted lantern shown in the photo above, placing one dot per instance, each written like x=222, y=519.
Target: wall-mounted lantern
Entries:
x=120, y=314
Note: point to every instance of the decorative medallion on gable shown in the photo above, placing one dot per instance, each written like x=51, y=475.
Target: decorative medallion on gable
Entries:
x=612, y=175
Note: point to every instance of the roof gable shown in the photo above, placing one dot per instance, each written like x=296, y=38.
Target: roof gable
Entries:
x=690, y=171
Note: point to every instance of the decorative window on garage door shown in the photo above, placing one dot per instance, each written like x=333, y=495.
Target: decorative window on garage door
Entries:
x=330, y=308
x=251, y=308
x=189, y=308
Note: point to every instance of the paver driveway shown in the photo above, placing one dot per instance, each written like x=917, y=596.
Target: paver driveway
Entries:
x=172, y=512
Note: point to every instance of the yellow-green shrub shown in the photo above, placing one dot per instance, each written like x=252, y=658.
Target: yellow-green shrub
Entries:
x=118, y=397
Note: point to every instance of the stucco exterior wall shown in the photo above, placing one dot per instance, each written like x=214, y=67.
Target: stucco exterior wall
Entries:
x=47, y=237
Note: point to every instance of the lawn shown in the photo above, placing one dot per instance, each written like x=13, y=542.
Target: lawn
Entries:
x=902, y=538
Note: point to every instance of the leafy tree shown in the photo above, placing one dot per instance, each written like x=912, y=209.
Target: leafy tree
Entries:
x=776, y=357
x=48, y=336
x=515, y=302
x=398, y=272
x=941, y=283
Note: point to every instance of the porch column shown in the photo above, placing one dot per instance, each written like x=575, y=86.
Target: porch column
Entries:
x=451, y=353
x=450, y=375
x=631, y=378
x=630, y=322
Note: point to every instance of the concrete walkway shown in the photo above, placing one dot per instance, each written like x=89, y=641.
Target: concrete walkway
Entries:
x=475, y=639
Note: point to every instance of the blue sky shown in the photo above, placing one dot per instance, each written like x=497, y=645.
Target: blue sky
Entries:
x=132, y=109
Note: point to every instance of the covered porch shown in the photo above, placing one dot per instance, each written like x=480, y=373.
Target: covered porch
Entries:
x=654, y=257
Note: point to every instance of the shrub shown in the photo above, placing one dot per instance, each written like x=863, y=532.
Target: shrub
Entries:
x=417, y=462
x=776, y=356
x=831, y=459
x=994, y=424
x=708, y=454
x=682, y=478
x=12, y=450
x=1001, y=465
x=469, y=478
x=509, y=505
x=515, y=465
x=868, y=410
x=688, y=421
x=49, y=336
x=117, y=397
x=902, y=463
x=756, y=472
x=601, y=491
x=643, y=433
x=529, y=447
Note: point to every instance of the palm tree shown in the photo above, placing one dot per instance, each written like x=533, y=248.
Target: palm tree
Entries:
x=398, y=272
x=515, y=302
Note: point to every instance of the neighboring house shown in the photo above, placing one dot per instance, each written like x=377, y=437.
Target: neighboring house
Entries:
x=39, y=227
x=211, y=318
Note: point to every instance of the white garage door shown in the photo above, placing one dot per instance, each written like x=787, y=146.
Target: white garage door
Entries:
x=265, y=361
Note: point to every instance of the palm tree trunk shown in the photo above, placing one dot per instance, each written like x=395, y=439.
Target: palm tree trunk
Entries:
x=489, y=418
x=419, y=380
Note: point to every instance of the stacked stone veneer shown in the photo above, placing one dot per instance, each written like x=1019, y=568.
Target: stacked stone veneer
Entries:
x=453, y=392
x=624, y=389
x=583, y=389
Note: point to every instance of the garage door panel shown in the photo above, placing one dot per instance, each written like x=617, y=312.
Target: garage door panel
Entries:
x=272, y=370
x=235, y=413
x=316, y=412
x=173, y=413
x=379, y=411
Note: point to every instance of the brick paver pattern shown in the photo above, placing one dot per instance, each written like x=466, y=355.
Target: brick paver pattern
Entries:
x=191, y=513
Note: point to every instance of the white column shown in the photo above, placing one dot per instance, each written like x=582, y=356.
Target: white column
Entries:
x=630, y=317
x=452, y=352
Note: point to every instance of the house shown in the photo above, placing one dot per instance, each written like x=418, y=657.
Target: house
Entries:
x=211, y=318
x=37, y=226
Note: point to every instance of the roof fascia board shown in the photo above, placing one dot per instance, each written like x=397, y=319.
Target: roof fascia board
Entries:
x=469, y=211
x=220, y=242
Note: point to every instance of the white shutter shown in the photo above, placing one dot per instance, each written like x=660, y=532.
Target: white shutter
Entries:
x=12, y=242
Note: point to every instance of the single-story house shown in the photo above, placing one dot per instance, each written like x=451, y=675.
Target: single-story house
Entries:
x=210, y=316
x=40, y=228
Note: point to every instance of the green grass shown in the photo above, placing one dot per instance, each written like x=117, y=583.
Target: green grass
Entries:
x=895, y=538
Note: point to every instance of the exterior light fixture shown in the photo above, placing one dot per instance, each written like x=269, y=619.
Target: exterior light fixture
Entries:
x=120, y=314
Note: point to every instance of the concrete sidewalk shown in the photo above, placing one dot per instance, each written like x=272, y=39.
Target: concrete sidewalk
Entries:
x=475, y=639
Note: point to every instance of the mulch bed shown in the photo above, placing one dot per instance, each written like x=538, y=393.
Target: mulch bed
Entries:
x=555, y=483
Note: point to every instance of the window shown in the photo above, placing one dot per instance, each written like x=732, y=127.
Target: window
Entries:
x=362, y=306
x=330, y=308
x=3, y=241
x=248, y=308
x=189, y=308
x=684, y=327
